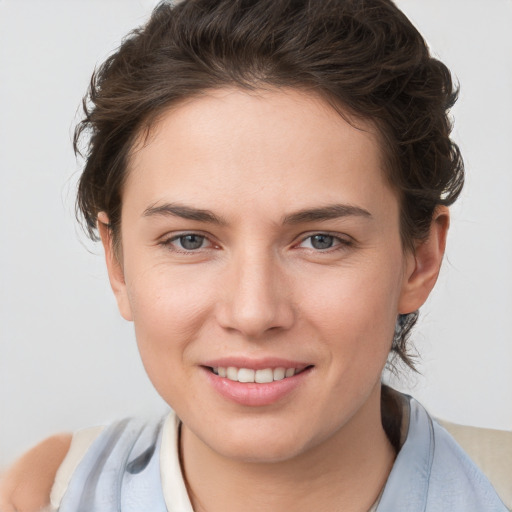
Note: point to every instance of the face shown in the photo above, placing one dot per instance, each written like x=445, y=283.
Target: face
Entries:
x=260, y=242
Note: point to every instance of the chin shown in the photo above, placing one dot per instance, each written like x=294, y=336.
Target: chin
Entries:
x=260, y=453
x=259, y=443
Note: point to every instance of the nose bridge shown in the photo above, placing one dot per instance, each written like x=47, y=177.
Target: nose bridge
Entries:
x=256, y=297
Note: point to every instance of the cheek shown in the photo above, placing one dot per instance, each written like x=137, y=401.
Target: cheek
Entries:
x=354, y=311
x=351, y=317
x=162, y=297
x=169, y=313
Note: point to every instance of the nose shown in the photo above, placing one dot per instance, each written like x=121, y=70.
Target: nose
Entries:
x=256, y=296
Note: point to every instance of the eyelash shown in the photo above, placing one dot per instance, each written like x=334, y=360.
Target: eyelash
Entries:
x=339, y=243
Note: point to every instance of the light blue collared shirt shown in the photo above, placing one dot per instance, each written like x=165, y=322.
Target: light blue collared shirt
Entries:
x=433, y=474
x=121, y=472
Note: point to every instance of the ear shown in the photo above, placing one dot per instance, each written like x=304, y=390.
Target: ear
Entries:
x=114, y=267
x=424, y=263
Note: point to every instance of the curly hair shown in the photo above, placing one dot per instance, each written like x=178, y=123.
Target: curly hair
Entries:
x=363, y=56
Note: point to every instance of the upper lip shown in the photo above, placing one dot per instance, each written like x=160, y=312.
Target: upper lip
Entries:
x=255, y=364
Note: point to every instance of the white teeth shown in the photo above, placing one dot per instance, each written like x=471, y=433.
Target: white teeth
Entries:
x=279, y=373
x=232, y=373
x=246, y=375
x=290, y=372
x=264, y=376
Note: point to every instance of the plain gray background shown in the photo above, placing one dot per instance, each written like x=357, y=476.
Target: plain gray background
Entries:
x=68, y=360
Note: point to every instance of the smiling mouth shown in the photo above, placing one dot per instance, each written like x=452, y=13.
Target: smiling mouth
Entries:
x=262, y=376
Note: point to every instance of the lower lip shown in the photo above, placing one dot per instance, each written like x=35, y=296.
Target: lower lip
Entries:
x=252, y=394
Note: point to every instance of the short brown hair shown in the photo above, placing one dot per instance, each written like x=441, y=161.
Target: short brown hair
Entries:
x=363, y=56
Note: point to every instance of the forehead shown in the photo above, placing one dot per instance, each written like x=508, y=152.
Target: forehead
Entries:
x=283, y=147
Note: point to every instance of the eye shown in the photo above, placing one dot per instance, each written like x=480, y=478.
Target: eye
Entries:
x=323, y=242
x=187, y=242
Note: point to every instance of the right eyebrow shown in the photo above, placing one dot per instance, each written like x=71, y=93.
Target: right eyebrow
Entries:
x=184, y=212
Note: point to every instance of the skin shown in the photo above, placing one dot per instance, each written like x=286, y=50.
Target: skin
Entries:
x=26, y=486
x=257, y=287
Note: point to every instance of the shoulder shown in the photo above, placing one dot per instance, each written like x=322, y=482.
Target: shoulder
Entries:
x=117, y=465
x=455, y=478
x=434, y=473
x=491, y=450
x=80, y=443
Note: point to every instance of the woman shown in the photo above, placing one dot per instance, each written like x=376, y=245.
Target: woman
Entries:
x=270, y=182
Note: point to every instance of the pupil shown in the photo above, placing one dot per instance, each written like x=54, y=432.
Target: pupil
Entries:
x=322, y=241
x=191, y=242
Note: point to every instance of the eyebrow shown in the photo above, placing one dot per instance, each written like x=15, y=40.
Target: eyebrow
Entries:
x=185, y=212
x=329, y=212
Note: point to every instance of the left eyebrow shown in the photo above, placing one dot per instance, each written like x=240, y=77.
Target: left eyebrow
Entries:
x=329, y=212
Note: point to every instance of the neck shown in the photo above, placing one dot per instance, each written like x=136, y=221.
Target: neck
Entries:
x=347, y=471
